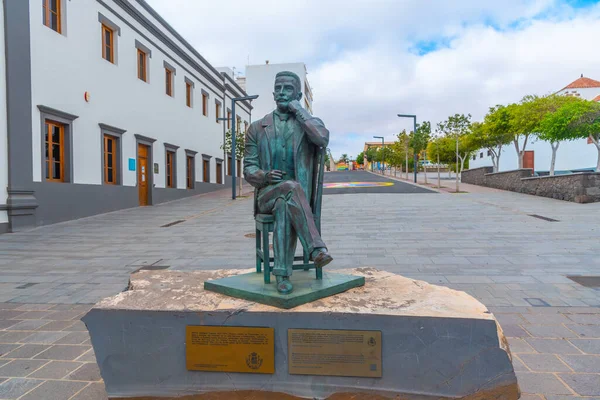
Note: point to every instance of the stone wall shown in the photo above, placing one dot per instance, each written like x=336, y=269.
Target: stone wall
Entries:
x=579, y=188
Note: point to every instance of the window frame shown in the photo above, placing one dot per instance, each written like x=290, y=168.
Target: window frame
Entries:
x=190, y=169
x=117, y=135
x=113, y=155
x=188, y=95
x=46, y=13
x=219, y=165
x=171, y=165
x=169, y=82
x=66, y=119
x=49, y=159
x=142, y=58
x=228, y=118
x=105, y=29
x=205, y=98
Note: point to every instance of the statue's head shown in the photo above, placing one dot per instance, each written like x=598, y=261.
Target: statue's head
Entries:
x=287, y=88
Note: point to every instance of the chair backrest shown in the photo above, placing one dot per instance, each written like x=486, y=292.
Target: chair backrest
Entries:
x=317, y=194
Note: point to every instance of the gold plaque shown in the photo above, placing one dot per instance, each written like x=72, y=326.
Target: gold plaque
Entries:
x=230, y=349
x=334, y=353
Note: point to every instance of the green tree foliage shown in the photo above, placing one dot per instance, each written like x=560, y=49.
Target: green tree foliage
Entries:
x=344, y=158
x=240, y=146
x=360, y=158
x=458, y=127
x=556, y=125
x=419, y=140
x=586, y=123
x=494, y=133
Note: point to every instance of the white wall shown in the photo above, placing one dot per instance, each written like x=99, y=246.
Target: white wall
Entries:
x=585, y=93
x=64, y=67
x=570, y=155
x=260, y=80
x=3, y=127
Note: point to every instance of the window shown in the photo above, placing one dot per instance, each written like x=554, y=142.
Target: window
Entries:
x=52, y=14
x=170, y=169
x=245, y=126
x=228, y=119
x=220, y=171
x=474, y=157
x=205, y=170
x=142, y=65
x=190, y=172
x=110, y=160
x=229, y=165
x=55, y=151
x=108, y=51
x=188, y=94
x=218, y=112
x=238, y=123
x=481, y=155
x=169, y=82
x=204, y=104
x=489, y=153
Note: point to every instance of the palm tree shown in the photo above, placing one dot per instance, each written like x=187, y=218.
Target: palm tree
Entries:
x=344, y=158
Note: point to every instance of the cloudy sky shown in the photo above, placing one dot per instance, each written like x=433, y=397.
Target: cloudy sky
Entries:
x=369, y=60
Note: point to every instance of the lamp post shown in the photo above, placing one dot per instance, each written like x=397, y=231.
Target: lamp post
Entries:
x=382, y=149
x=414, y=117
x=233, y=155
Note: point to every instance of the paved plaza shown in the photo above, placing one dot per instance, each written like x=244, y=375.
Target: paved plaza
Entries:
x=485, y=243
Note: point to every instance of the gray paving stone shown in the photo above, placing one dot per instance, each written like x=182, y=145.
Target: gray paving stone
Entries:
x=583, y=384
x=15, y=336
x=74, y=338
x=20, y=368
x=514, y=331
x=544, y=363
x=45, y=337
x=35, y=315
x=56, y=326
x=518, y=365
x=589, y=331
x=545, y=319
x=510, y=319
x=95, y=391
x=518, y=345
x=90, y=356
x=17, y=387
x=88, y=372
x=27, y=351
x=569, y=398
x=54, y=390
x=586, y=363
x=549, y=331
x=541, y=383
x=588, y=346
x=7, y=348
x=585, y=319
x=552, y=346
x=62, y=352
x=29, y=325
x=56, y=370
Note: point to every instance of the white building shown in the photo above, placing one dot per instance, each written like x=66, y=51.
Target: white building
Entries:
x=127, y=108
x=575, y=155
x=259, y=80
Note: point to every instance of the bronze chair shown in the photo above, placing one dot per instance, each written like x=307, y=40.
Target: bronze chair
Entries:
x=266, y=222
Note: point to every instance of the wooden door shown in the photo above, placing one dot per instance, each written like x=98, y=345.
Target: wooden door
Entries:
x=219, y=173
x=143, y=174
x=205, y=171
x=528, y=160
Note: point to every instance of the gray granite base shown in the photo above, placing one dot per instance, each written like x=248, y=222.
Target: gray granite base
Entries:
x=139, y=341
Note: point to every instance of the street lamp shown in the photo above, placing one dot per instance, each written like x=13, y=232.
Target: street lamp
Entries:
x=382, y=149
x=233, y=155
x=414, y=117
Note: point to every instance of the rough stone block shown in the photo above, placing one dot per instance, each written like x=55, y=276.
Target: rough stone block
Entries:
x=437, y=343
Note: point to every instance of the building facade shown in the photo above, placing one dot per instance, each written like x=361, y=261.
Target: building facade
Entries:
x=576, y=155
x=259, y=80
x=107, y=107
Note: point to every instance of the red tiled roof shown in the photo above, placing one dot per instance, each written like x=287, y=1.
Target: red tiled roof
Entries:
x=597, y=98
x=583, y=83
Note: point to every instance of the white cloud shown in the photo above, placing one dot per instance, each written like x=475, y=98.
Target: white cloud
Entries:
x=360, y=61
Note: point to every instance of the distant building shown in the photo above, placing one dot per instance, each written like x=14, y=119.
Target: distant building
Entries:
x=106, y=107
x=576, y=155
x=376, y=165
x=259, y=80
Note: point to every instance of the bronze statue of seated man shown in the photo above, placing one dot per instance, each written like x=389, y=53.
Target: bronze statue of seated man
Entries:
x=279, y=161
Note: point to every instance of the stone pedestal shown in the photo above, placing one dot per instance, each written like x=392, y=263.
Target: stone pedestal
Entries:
x=437, y=343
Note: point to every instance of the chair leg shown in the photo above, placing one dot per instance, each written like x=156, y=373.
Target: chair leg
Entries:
x=258, y=260
x=267, y=256
x=319, y=272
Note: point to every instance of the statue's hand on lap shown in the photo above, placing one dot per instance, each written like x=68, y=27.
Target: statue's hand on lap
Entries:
x=274, y=176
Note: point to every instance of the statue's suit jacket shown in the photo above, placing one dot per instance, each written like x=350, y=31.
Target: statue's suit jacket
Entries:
x=310, y=136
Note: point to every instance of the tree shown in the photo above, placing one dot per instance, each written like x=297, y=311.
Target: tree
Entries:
x=403, y=144
x=419, y=140
x=458, y=126
x=556, y=125
x=344, y=158
x=327, y=159
x=240, y=146
x=370, y=155
x=360, y=158
x=494, y=133
x=586, y=124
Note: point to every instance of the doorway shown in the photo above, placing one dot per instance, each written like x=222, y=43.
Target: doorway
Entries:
x=528, y=159
x=143, y=174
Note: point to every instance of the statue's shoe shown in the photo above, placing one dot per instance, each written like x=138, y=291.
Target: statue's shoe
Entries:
x=322, y=259
x=284, y=286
